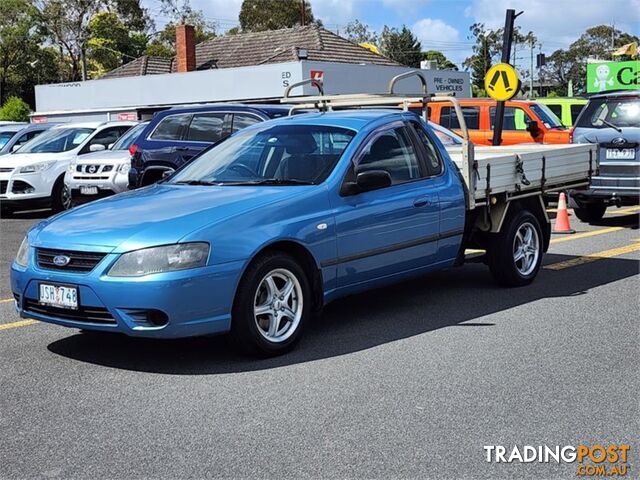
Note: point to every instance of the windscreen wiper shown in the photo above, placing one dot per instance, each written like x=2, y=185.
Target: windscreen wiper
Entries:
x=611, y=125
x=272, y=181
x=196, y=182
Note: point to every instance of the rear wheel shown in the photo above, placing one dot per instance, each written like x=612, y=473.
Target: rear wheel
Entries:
x=272, y=305
x=590, y=212
x=515, y=253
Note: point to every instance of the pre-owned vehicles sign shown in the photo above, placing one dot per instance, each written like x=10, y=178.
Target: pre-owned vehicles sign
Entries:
x=606, y=76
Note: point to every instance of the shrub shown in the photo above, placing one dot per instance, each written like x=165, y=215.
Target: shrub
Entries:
x=15, y=110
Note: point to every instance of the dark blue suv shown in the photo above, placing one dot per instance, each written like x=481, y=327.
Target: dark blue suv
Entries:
x=175, y=136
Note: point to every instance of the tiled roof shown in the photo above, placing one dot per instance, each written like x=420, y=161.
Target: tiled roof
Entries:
x=259, y=48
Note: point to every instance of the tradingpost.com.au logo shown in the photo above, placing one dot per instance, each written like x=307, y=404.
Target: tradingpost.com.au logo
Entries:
x=593, y=461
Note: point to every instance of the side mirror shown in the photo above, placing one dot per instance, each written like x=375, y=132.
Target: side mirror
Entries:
x=367, y=181
x=15, y=148
x=167, y=174
x=533, y=128
x=96, y=147
x=110, y=146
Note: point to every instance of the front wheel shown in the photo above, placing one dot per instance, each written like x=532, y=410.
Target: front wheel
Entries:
x=590, y=212
x=60, y=196
x=272, y=305
x=515, y=253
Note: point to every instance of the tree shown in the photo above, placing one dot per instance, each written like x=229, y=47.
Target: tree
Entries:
x=164, y=43
x=443, y=62
x=19, y=39
x=487, y=46
x=569, y=65
x=261, y=15
x=67, y=24
x=401, y=46
x=359, y=32
x=15, y=110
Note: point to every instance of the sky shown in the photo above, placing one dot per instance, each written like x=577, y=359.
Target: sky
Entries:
x=444, y=24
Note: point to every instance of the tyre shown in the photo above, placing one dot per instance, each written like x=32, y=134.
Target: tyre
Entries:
x=515, y=254
x=272, y=305
x=590, y=212
x=60, y=196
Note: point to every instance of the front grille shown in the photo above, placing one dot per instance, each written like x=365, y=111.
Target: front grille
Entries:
x=84, y=177
x=93, y=169
x=79, y=261
x=3, y=186
x=20, y=186
x=629, y=170
x=83, y=314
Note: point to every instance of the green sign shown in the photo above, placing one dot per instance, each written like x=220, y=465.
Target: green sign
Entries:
x=613, y=76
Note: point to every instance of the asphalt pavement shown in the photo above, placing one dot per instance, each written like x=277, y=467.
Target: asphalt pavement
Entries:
x=409, y=381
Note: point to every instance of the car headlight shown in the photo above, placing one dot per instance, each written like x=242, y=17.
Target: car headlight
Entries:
x=37, y=167
x=71, y=168
x=124, y=168
x=168, y=258
x=22, y=258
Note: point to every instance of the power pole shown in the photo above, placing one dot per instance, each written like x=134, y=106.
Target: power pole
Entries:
x=531, y=69
x=302, y=13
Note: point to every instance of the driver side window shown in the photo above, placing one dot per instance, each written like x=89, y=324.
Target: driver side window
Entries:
x=392, y=152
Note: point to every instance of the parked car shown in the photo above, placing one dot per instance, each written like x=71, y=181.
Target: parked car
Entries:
x=612, y=121
x=101, y=174
x=12, y=137
x=175, y=136
x=567, y=109
x=34, y=176
x=524, y=121
x=262, y=229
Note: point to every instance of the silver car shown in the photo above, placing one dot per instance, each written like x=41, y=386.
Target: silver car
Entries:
x=104, y=173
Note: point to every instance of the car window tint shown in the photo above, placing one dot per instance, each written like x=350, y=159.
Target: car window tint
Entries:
x=449, y=119
x=433, y=159
x=392, y=151
x=171, y=127
x=514, y=118
x=556, y=109
x=575, y=111
x=206, y=127
x=243, y=120
x=107, y=136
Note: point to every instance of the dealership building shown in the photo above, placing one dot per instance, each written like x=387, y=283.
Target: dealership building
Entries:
x=251, y=67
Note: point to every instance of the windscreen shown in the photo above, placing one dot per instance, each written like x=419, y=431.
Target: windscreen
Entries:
x=5, y=137
x=545, y=114
x=280, y=154
x=129, y=137
x=57, y=140
x=605, y=112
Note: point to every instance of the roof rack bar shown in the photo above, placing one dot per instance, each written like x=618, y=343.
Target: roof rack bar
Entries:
x=402, y=76
x=309, y=81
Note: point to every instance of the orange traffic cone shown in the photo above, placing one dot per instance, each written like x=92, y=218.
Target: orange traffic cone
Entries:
x=561, y=224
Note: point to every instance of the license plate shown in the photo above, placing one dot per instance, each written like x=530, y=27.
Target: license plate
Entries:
x=621, y=153
x=89, y=190
x=59, y=296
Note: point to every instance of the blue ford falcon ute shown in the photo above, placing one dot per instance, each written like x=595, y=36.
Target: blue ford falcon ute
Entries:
x=254, y=235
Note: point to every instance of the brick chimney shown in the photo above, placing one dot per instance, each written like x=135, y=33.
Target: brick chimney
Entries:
x=185, y=48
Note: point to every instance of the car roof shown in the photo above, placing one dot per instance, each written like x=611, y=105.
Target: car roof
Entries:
x=352, y=119
x=617, y=93
x=240, y=107
x=14, y=127
x=95, y=124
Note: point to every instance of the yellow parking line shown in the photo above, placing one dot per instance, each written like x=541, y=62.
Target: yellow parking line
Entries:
x=586, y=234
x=593, y=257
x=623, y=211
x=21, y=323
x=6, y=300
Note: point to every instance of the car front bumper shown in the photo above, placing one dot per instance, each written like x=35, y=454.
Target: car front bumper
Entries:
x=17, y=188
x=192, y=302
x=106, y=184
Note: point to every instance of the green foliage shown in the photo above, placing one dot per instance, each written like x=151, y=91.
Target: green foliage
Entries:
x=443, y=62
x=401, y=46
x=15, y=110
x=570, y=64
x=359, y=32
x=261, y=15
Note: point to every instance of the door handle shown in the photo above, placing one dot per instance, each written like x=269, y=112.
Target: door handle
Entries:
x=182, y=149
x=421, y=202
